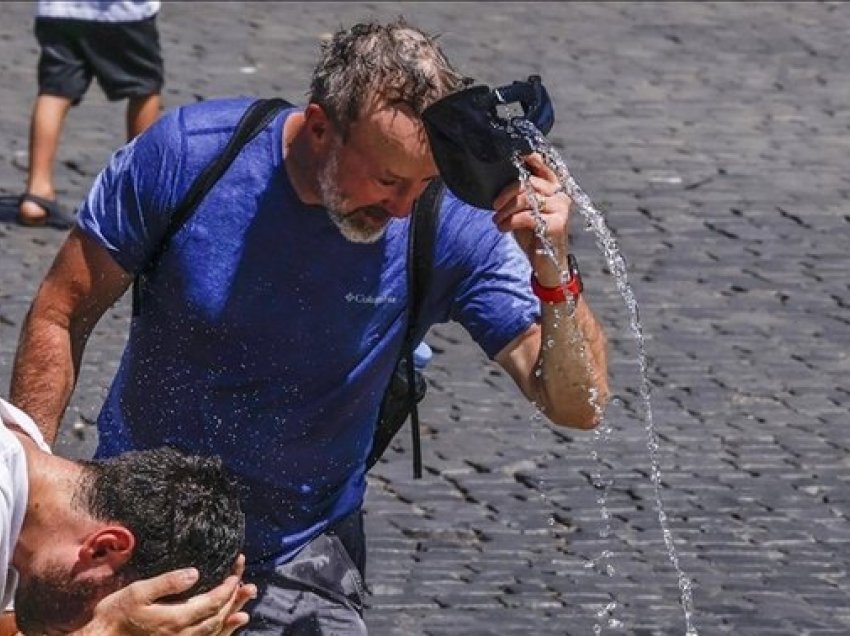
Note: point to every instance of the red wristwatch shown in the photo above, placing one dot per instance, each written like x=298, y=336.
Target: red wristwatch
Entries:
x=558, y=294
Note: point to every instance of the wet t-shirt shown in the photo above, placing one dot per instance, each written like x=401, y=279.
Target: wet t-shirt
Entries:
x=265, y=336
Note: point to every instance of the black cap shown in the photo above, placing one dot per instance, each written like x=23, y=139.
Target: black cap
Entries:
x=473, y=145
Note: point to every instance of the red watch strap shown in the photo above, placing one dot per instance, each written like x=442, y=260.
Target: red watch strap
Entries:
x=558, y=294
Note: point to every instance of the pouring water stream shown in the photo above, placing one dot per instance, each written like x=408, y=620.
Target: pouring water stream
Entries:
x=616, y=264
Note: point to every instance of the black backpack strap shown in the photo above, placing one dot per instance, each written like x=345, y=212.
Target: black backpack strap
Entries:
x=257, y=116
x=420, y=263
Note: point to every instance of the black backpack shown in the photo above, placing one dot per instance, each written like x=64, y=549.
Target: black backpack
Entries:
x=407, y=385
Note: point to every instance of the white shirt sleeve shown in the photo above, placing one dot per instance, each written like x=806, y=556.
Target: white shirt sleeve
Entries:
x=13, y=504
x=14, y=489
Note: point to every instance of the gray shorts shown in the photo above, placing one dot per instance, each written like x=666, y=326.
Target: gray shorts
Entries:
x=318, y=593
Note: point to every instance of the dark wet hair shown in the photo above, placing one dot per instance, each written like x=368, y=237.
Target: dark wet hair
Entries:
x=395, y=61
x=183, y=511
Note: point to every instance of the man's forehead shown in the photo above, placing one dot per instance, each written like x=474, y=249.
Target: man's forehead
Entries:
x=397, y=122
x=394, y=129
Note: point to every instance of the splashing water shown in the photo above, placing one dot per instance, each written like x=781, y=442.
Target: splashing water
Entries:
x=616, y=264
x=602, y=562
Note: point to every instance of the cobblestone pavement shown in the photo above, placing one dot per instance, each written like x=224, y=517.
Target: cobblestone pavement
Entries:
x=715, y=138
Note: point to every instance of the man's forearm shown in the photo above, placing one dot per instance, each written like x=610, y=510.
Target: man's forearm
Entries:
x=45, y=370
x=83, y=282
x=571, y=378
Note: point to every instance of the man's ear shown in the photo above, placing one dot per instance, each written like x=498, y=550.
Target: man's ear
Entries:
x=110, y=546
x=318, y=125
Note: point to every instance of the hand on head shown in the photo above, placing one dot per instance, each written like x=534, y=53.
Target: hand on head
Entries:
x=138, y=609
x=514, y=207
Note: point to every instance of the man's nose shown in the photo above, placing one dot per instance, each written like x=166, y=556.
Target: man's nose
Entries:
x=401, y=203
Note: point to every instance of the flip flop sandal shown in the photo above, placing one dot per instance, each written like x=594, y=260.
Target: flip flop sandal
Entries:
x=54, y=218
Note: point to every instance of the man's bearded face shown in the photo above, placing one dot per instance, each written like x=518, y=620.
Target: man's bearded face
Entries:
x=52, y=603
x=365, y=224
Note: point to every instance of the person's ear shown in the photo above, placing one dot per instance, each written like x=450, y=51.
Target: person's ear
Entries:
x=110, y=546
x=318, y=125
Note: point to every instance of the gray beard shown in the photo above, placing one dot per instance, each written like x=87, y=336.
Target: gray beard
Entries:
x=351, y=224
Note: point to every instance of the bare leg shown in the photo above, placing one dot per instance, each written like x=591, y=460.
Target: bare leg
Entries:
x=141, y=113
x=48, y=115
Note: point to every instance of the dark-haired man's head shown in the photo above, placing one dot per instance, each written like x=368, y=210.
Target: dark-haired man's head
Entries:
x=128, y=518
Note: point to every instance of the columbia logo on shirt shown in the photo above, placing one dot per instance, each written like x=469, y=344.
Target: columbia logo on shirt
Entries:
x=365, y=299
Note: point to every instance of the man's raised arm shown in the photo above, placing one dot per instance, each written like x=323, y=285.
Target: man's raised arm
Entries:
x=560, y=364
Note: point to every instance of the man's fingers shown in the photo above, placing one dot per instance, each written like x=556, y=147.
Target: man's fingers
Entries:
x=147, y=591
x=204, y=614
x=234, y=622
x=537, y=166
x=519, y=214
x=227, y=616
x=514, y=197
x=244, y=594
x=517, y=223
x=210, y=604
x=239, y=566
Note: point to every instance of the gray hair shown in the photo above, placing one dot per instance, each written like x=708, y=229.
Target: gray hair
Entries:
x=395, y=62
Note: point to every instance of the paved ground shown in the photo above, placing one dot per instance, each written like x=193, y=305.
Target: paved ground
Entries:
x=715, y=137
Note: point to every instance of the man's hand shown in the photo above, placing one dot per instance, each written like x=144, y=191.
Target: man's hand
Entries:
x=568, y=378
x=137, y=610
x=513, y=213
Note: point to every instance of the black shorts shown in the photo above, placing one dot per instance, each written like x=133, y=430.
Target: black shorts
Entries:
x=123, y=56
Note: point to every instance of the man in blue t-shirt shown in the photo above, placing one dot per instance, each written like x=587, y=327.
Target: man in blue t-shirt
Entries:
x=270, y=327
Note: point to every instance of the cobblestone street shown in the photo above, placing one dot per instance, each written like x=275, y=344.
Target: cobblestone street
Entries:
x=715, y=137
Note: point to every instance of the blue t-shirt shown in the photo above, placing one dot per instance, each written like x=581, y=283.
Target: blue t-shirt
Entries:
x=265, y=336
